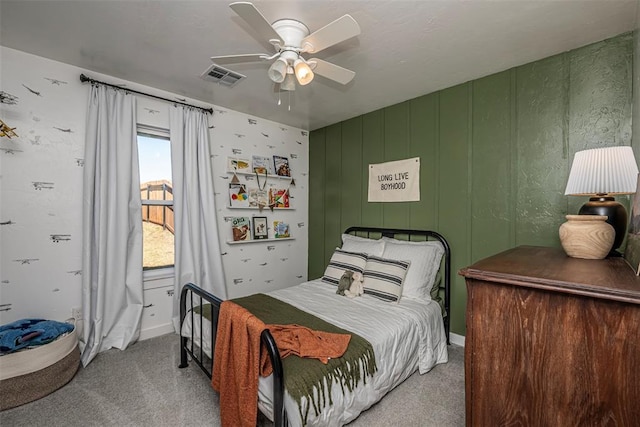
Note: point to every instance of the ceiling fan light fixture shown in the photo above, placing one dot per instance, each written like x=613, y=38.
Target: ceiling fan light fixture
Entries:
x=303, y=72
x=278, y=70
x=289, y=82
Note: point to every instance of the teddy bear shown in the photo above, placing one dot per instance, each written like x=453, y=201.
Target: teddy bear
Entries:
x=350, y=284
x=345, y=282
x=357, y=286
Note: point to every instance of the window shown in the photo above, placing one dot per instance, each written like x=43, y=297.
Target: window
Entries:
x=156, y=192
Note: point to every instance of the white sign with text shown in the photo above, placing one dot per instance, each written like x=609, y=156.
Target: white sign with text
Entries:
x=397, y=181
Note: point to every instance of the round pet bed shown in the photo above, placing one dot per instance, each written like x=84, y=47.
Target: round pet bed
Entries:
x=28, y=375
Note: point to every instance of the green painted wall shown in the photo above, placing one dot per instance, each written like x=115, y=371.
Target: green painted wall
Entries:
x=495, y=155
x=636, y=88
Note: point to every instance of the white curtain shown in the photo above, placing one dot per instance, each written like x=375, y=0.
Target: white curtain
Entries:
x=198, y=258
x=111, y=224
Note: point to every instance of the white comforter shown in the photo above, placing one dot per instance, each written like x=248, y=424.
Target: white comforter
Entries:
x=405, y=337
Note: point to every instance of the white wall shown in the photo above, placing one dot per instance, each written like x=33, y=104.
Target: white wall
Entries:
x=264, y=265
x=41, y=191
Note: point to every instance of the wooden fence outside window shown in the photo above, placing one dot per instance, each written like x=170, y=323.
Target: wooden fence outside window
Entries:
x=160, y=213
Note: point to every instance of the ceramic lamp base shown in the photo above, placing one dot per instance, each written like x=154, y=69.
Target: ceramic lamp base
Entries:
x=587, y=236
x=614, y=211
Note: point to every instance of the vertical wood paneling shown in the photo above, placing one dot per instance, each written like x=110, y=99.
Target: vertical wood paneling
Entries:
x=600, y=91
x=454, y=221
x=542, y=167
x=495, y=156
x=423, y=143
x=315, y=227
x=332, y=190
x=352, y=166
x=491, y=186
x=372, y=152
x=636, y=92
x=396, y=147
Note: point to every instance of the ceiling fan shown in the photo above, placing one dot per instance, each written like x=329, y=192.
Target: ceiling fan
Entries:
x=291, y=39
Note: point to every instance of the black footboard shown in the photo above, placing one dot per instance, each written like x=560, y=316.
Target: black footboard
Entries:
x=191, y=297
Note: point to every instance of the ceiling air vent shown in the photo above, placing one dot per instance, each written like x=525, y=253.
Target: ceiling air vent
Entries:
x=221, y=75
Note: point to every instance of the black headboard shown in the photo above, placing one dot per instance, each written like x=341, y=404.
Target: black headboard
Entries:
x=416, y=235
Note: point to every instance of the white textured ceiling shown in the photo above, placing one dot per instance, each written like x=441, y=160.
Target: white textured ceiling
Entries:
x=406, y=49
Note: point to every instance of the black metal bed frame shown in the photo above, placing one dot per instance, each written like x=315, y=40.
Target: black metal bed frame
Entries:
x=189, y=291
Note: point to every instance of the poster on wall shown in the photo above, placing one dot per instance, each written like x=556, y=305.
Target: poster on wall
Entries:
x=397, y=181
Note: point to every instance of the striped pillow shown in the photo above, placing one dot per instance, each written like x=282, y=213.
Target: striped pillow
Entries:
x=383, y=278
x=342, y=261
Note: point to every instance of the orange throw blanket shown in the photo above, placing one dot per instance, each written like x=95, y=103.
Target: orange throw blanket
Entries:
x=238, y=359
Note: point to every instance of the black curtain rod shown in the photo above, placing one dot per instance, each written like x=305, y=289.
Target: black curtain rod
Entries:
x=85, y=79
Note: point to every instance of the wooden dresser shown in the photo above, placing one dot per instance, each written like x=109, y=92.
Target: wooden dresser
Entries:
x=552, y=341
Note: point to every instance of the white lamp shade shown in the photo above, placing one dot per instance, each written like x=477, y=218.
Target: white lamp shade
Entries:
x=611, y=170
x=303, y=72
x=278, y=70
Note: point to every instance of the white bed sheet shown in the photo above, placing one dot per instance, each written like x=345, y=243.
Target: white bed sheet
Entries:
x=405, y=337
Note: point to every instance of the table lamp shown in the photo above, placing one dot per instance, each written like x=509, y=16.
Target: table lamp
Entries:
x=602, y=173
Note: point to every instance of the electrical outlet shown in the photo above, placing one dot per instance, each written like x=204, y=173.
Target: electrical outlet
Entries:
x=76, y=313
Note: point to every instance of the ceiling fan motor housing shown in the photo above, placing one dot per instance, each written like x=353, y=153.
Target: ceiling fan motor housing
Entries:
x=292, y=32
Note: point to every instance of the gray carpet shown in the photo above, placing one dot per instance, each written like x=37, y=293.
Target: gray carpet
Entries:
x=142, y=386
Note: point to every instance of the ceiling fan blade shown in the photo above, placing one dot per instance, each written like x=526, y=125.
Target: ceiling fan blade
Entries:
x=333, y=33
x=238, y=59
x=256, y=21
x=332, y=71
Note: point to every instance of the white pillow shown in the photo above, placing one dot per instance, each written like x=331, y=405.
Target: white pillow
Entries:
x=373, y=247
x=342, y=261
x=383, y=278
x=425, y=262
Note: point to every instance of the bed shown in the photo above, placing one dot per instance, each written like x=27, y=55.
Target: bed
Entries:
x=407, y=327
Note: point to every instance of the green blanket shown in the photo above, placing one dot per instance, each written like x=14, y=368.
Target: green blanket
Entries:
x=311, y=378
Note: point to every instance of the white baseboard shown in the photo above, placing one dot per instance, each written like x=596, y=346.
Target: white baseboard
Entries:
x=456, y=339
x=156, y=331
